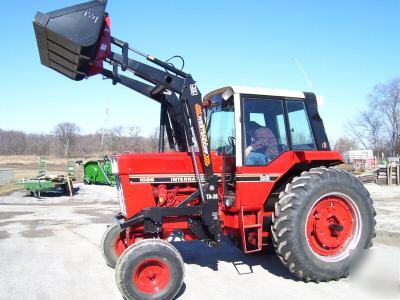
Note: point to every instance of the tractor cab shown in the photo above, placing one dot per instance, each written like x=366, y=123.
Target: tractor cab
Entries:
x=258, y=125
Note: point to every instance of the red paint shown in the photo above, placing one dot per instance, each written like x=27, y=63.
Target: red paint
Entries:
x=103, y=48
x=119, y=245
x=250, y=196
x=151, y=276
x=173, y=196
x=329, y=225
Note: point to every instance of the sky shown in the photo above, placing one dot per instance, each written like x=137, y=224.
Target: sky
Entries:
x=344, y=47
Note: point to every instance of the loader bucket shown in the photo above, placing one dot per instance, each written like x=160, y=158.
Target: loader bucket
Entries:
x=68, y=38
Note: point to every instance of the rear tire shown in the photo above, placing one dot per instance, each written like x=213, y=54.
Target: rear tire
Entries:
x=150, y=269
x=322, y=222
x=112, y=244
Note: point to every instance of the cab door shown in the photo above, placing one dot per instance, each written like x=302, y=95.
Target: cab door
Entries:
x=264, y=148
x=272, y=129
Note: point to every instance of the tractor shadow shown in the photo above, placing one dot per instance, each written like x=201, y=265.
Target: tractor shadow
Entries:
x=181, y=291
x=198, y=253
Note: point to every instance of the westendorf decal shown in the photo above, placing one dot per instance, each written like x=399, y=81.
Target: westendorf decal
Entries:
x=203, y=134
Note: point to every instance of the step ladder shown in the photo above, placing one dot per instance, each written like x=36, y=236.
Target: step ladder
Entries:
x=251, y=222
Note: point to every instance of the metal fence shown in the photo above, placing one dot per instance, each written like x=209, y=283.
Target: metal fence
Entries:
x=6, y=176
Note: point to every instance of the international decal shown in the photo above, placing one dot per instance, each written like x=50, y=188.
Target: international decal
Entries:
x=203, y=134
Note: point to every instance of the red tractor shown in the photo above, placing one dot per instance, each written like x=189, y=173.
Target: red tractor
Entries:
x=251, y=164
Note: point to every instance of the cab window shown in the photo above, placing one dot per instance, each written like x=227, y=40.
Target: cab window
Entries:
x=264, y=130
x=299, y=126
x=221, y=125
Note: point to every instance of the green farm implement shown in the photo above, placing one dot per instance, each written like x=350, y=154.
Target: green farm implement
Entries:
x=98, y=172
x=45, y=183
x=37, y=185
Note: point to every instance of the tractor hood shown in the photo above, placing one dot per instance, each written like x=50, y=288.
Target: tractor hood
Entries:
x=68, y=38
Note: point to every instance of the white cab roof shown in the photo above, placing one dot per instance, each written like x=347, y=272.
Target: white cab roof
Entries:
x=256, y=91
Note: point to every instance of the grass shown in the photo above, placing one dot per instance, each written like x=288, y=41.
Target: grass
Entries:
x=9, y=188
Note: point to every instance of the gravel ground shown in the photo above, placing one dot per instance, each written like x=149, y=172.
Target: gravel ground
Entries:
x=50, y=249
x=387, y=206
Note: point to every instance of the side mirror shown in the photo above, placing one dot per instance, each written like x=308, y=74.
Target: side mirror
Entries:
x=227, y=94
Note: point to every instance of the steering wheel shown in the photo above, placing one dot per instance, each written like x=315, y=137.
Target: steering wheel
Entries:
x=232, y=141
x=228, y=149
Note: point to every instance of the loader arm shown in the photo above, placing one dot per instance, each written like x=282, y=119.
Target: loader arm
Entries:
x=175, y=81
x=173, y=121
x=167, y=82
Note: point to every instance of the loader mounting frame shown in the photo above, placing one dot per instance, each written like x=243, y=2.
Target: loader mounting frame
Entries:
x=165, y=85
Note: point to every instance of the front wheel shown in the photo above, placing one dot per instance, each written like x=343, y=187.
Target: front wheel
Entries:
x=150, y=269
x=113, y=244
x=322, y=222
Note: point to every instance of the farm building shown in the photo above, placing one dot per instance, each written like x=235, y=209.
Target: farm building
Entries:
x=360, y=159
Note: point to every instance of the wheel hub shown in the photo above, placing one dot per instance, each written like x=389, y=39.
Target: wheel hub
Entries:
x=151, y=276
x=330, y=225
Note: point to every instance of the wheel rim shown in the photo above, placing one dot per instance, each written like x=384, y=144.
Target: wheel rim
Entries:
x=119, y=246
x=151, y=276
x=333, y=227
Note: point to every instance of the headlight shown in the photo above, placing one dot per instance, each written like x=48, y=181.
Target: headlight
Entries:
x=121, y=197
x=114, y=165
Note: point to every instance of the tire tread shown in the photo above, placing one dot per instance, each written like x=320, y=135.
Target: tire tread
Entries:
x=290, y=204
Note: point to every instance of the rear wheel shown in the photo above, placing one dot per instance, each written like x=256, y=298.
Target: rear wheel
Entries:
x=113, y=244
x=322, y=222
x=150, y=269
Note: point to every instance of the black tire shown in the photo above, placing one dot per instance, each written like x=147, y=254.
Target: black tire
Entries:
x=133, y=261
x=109, y=241
x=294, y=238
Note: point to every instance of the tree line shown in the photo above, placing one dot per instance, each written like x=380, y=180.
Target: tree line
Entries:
x=66, y=140
x=377, y=126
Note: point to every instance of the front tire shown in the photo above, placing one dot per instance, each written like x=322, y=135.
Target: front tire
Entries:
x=322, y=222
x=150, y=269
x=113, y=244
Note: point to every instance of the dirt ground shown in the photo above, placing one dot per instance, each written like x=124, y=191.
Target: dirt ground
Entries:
x=50, y=249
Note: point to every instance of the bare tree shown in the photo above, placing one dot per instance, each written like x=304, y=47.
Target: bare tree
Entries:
x=344, y=144
x=385, y=99
x=366, y=129
x=66, y=140
x=66, y=132
x=154, y=139
x=13, y=142
x=378, y=127
x=116, y=138
x=135, y=138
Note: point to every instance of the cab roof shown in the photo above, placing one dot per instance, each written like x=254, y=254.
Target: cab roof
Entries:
x=256, y=91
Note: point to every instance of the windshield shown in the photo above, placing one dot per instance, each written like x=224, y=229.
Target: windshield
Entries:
x=221, y=124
